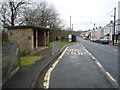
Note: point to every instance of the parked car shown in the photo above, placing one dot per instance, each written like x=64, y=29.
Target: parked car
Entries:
x=104, y=41
x=93, y=39
x=97, y=40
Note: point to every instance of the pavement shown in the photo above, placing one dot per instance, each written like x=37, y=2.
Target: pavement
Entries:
x=26, y=77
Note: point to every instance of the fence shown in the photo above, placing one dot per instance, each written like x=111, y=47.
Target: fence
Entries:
x=55, y=47
x=0, y=67
x=10, y=61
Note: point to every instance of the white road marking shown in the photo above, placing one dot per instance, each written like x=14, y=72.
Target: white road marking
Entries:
x=71, y=53
x=47, y=75
x=90, y=54
x=78, y=53
x=74, y=53
x=81, y=53
x=93, y=57
x=99, y=64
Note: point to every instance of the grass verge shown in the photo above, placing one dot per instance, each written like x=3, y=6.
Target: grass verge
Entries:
x=62, y=43
x=29, y=60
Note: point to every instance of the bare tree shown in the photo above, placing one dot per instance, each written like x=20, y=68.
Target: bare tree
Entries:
x=43, y=15
x=10, y=12
x=38, y=14
x=3, y=14
x=14, y=7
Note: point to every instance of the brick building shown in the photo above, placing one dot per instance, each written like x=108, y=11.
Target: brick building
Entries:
x=98, y=32
x=29, y=37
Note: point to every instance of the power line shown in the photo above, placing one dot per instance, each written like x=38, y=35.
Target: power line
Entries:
x=108, y=14
x=105, y=17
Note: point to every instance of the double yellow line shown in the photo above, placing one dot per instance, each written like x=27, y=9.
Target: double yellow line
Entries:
x=48, y=74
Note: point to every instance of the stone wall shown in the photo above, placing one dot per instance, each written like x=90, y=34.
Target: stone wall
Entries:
x=58, y=33
x=24, y=37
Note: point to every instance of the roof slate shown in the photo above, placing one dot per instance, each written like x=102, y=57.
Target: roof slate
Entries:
x=24, y=27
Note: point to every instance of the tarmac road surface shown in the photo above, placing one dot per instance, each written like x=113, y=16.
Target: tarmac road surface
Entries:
x=75, y=69
x=106, y=54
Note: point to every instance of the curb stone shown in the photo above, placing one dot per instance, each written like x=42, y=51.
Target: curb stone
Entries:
x=32, y=86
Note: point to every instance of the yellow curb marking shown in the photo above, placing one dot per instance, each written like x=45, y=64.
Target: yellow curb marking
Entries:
x=110, y=76
x=47, y=75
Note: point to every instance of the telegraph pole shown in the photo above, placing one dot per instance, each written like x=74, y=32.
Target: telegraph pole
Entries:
x=70, y=24
x=94, y=30
x=70, y=32
x=72, y=29
x=113, y=38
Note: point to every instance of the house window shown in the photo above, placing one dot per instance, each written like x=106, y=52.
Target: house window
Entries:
x=29, y=37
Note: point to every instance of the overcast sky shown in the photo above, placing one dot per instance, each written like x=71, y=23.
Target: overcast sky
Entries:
x=85, y=11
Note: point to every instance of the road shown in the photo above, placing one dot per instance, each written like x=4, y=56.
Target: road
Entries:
x=75, y=69
x=107, y=55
